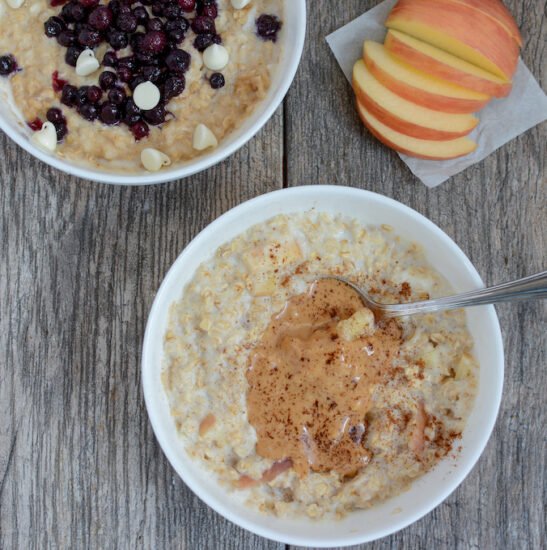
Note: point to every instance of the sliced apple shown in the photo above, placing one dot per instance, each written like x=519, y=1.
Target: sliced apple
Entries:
x=404, y=116
x=418, y=86
x=497, y=11
x=420, y=148
x=459, y=30
x=435, y=62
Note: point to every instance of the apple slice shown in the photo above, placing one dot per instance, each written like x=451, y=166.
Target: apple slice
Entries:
x=404, y=116
x=497, y=11
x=459, y=30
x=420, y=148
x=435, y=62
x=420, y=87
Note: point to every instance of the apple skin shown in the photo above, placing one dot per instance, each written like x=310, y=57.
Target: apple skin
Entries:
x=419, y=96
x=497, y=11
x=400, y=125
x=423, y=149
x=494, y=86
x=460, y=30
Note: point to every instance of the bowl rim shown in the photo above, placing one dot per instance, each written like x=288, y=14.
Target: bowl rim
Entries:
x=191, y=168
x=149, y=370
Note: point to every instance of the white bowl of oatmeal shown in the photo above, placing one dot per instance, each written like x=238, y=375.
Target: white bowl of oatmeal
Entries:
x=195, y=109
x=230, y=404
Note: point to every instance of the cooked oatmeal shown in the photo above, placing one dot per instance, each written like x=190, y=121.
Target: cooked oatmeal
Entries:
x=286, y=387
x=216, y=100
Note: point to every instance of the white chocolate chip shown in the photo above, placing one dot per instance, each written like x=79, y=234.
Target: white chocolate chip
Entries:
x=153, y=160
x=238, y=4
x=216, y=57
x=204, y=138
x=146, y=96
x=46, y=138
x=15, y=4
x=86, y=63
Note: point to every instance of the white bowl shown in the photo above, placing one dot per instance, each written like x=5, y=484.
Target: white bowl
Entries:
x=292, y=42
x=427, y=492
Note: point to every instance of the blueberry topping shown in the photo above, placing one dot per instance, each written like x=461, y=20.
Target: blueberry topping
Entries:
x=69, y=95
x=178, y=61
x=267, y=27
x=107, y=79
x=8, y=65
x=110, y=113
x=173, y=86
x=53, y=26
x=101, y=18
x=55, y=115
x=203, y=24
x=217, y=81
x=140, y=130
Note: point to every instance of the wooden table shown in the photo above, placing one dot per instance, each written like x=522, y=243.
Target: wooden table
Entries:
x=79, y=267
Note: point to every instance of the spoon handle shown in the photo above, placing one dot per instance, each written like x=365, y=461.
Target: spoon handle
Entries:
x=529, y=288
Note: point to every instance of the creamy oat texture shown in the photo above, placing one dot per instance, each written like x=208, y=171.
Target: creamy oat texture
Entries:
x=416, y=413
x=248, y=76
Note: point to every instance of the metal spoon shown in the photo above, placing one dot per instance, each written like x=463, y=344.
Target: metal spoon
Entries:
x=529, y=288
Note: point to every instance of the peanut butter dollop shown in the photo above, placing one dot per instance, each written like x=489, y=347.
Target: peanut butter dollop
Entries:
x=310, y=387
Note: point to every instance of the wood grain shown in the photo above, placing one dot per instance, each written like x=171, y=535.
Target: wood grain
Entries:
x=79, y=267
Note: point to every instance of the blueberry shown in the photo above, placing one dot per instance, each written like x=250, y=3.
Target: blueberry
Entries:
x=178, y=61
x=66, y=38
x=125, y=74
x=203, y=41
x=156, y=115
x=172, y=11
x=110, y=59
x=176, y=29
x=140, y=130
x=61, y=130
x=126, y=22
x=69, y=95
x=174, y=86
x=101, y=18
x=151, y=73
x=154, y=24
x=154, y=42
x=267, y=27
x=209, y=10
x=81, y=96
x=116, y=96
x=7, y=65
x=71, y=55
x=110, y=113
x=89, y=111
x=55, y=115
x=187, y=5
x=89, y=37
x=117, y=39
x=139, y=79
x=107, y=79
x=94, y=94
x=203, y=24
x=141, y=15
x=53, y=26
x=217, y=81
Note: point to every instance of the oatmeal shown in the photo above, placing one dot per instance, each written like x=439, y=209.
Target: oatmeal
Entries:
x=285, y=386
x=115, y=79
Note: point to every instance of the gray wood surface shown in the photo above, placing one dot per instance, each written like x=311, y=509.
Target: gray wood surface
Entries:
x=79, y=266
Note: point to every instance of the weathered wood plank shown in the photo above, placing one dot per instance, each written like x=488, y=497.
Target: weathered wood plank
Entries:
x=496, y=212
x=80, y=265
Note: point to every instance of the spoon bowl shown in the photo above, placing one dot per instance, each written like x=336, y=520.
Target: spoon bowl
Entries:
x=533, y=287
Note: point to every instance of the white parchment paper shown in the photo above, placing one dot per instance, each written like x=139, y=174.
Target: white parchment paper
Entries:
x=500, y=121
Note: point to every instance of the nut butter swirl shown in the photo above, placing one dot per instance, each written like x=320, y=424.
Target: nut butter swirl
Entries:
x=310, y=388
